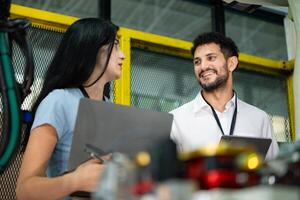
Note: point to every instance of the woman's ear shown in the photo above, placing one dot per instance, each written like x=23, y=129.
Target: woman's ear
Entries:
x=232, y=63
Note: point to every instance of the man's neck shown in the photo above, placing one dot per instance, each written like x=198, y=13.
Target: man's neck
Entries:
x=218, y=98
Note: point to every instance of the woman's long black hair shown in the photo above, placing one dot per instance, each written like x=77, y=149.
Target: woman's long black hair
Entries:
x=76, y=56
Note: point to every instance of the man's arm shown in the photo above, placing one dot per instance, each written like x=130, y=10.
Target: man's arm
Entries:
x=175, y=135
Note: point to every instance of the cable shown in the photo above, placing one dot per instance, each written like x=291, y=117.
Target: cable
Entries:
x=14, y=107
x=13, y=93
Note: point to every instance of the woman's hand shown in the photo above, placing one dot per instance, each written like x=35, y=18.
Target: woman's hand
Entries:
x=87, y=175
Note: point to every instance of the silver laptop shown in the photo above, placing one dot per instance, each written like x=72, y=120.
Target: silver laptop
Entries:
x=261, y=145
x=106, y=127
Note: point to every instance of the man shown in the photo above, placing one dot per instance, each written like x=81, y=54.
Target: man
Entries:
x=216, y=110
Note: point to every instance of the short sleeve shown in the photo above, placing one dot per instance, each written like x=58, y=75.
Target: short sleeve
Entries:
x=51, y=111
x=269, y=133
x=174, y=135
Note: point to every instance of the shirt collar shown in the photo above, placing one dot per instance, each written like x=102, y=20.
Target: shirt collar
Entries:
x=231, y=102
x=200, y=103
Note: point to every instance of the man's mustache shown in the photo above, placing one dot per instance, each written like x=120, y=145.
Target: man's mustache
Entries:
x=208, y=69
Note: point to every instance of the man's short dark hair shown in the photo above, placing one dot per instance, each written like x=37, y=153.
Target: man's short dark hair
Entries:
x=227, y=45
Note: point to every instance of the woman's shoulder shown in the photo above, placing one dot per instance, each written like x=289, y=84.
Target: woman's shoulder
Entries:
x=64, y=94
x=58, y=109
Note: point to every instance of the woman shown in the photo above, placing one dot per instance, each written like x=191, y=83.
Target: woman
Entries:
x=88, y=58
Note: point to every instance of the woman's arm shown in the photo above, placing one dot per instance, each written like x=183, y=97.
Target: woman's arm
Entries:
x=33, y=183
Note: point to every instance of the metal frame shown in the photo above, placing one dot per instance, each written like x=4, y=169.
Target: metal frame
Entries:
x=218, y=16
x=261, y=14
x=42, y=19
x=104, y=9
x=291, y=107
x=294, y=8
x=161, y=44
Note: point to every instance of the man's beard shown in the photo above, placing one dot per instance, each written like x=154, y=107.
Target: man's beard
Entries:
x=218, y=83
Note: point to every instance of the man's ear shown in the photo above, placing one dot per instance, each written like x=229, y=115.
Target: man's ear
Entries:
x=232, y=63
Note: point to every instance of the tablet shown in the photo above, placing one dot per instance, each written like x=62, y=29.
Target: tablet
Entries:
x=261, y=145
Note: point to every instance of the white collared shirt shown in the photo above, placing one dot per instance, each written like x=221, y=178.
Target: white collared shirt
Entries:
x=194, y=125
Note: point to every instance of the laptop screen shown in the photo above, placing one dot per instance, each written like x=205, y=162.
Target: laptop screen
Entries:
x=116, y=128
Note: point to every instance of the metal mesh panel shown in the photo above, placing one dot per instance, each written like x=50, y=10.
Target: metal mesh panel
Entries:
x=44, y=44
x=161, y=82
x=256, y=36
x=268, y=93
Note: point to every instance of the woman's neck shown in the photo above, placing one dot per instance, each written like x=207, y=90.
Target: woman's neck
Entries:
x=96, y=91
